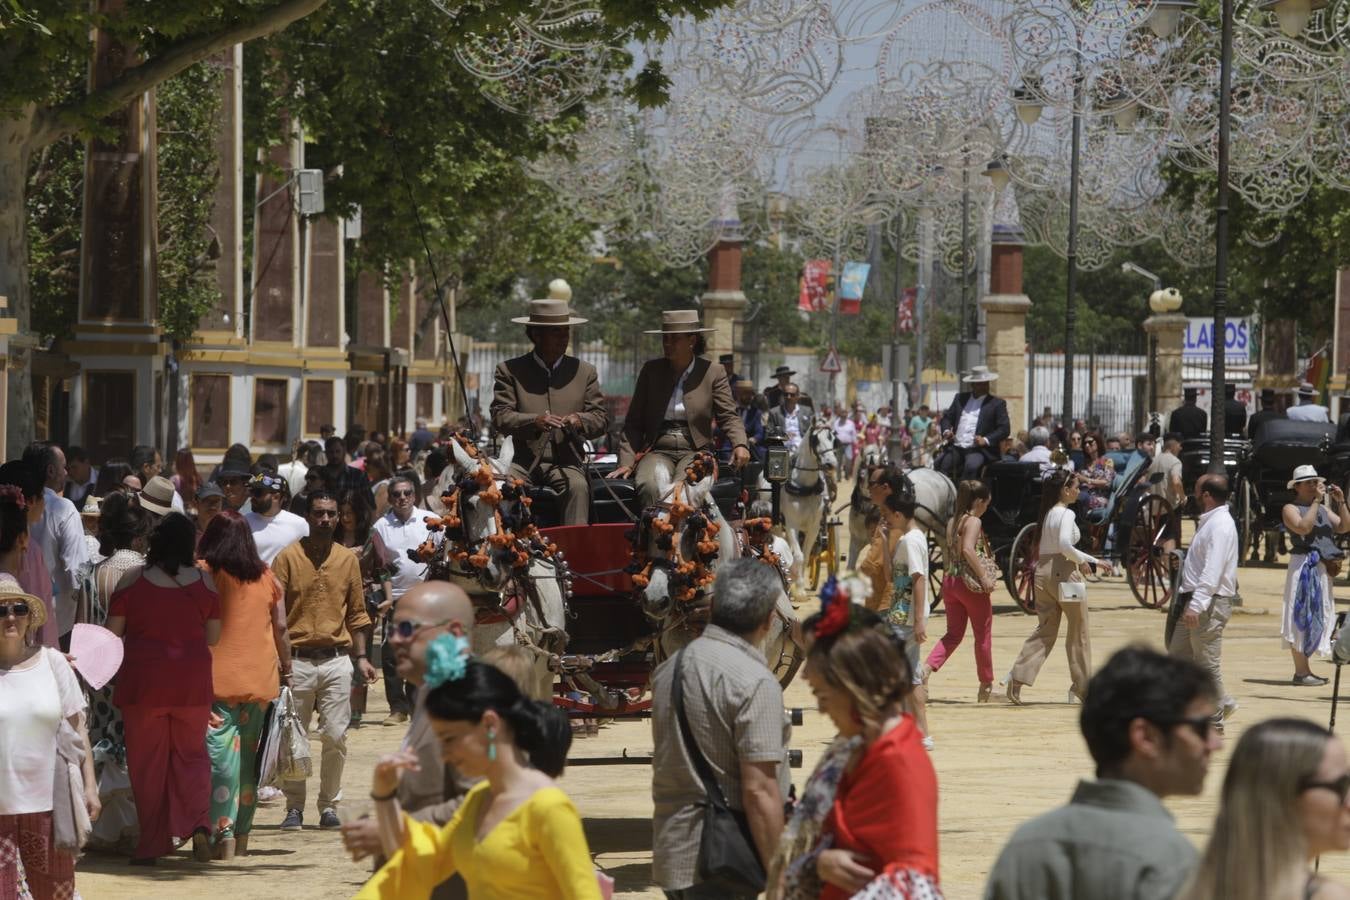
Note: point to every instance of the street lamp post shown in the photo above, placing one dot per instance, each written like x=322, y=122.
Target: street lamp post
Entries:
x=1216, y=398
x=1071, y=291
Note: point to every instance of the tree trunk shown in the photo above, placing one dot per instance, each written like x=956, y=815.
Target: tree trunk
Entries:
x=15, y=150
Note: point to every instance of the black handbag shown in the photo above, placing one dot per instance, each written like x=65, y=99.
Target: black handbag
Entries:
x=727, y=857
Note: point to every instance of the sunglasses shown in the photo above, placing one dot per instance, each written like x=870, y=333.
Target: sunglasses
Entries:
x=406, y=629
x=1201, y=725
x=398, y=494
x=1340, y=787
x=18, y=609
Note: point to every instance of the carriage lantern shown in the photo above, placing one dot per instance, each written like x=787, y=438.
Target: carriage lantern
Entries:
x=777, y=459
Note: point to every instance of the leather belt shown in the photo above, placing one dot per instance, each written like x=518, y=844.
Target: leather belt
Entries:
x=320, y=652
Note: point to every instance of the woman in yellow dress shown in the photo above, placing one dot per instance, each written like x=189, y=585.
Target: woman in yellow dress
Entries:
x=517, y=835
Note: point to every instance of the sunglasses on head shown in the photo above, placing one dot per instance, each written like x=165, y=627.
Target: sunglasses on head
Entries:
x=1340, y=787
x=18, y=609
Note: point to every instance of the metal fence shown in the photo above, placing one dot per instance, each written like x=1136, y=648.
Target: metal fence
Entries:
x=1109, y=386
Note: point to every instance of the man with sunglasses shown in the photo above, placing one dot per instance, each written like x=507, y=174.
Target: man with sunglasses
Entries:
x=434, y=790
x=791, y=419
x=402, y=528
x=1149, y=724
x=326, y=618
x=274, y=529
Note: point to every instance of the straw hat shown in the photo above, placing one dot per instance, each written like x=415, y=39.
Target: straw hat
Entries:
x=11, y=590
x=980, y=374
x=1302, y=474
x=554, y=310
x=1307, y=390
x=93, y=506
x=680, y=321
x=157, y=496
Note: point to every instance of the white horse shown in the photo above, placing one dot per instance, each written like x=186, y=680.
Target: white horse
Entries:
x=807, y=493
x=498, y=558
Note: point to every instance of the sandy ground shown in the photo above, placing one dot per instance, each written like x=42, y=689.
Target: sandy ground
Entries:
x=997, y=765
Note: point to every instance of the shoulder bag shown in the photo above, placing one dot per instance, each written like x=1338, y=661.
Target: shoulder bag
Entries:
x=969, y=578
x=727, y=857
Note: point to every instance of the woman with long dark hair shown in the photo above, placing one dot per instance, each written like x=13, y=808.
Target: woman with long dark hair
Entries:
x=254, y=645
x=169, y=616
x=970, y=559
x=32, y=572
x=1097, y=471
x=516, y=834
x=186, y=480
x=1060, y=563
x=112, y=476
x=355, y=532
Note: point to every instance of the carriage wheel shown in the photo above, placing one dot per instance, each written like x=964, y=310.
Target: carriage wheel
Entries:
x=1249, y=534
x=1020, y=575
x=1148, y=565
x=832, y=547
x=937, y=571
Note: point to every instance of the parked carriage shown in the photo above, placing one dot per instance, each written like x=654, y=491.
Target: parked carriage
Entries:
x=1260, y=490
x=1136, y=527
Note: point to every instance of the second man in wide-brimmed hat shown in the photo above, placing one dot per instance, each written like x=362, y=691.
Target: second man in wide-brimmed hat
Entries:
x=974, y=424
x=549, y=402
x=676, y=401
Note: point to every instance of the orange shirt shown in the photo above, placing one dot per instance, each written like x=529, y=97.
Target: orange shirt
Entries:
x=244, y=660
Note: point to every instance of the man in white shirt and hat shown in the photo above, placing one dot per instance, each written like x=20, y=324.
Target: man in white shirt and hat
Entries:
x=549, y=402
x=975, y=423
x=274, y=529
x=1308, y=409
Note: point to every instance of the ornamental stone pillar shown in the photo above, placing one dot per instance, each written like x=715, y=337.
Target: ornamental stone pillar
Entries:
x=1169, y=336
x=724, y=301
x=1005, y=309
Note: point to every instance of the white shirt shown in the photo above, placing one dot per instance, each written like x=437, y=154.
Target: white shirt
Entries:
x=675, y=406
x=970, y=417
x=911, y=557
x=539, y=361
x=1211, y=563
x=294, y=473
x=176, y=503
x=1038, y=454
x=273, y=534
x=400, y=537
x=1059, y=534
x=846, y=431
x=61, y=536
x=792, y=429
x=1308, y=412
x=33, y=700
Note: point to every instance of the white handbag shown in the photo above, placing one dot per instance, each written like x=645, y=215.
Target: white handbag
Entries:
x=1072, y=592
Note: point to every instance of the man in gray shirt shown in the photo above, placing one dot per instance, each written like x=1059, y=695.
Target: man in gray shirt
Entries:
x=734, y=706
x=1149, y=724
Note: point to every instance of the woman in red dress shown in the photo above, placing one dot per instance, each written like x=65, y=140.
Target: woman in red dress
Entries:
x=882, y=829
x=169, y=616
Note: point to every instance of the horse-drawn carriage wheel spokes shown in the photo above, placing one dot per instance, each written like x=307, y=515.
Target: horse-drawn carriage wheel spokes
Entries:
x=1147, y=566
x=937, y=571
x=1021, y=572
x=789, y=661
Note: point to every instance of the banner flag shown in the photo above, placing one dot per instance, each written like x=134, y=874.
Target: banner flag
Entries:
x=815, y=286
x=851, y=287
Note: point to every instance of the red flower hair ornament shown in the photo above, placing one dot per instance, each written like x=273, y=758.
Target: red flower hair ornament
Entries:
x=836, y=609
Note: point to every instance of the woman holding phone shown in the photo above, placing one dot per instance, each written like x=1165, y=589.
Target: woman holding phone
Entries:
x=1315, y=515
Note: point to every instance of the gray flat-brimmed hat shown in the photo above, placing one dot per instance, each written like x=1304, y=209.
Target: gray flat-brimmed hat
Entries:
x=978, y=374
x=554, y=310
x=680, y=321
x=1307, y=390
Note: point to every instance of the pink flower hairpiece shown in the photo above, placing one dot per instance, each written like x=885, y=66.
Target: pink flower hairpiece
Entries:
x=14, y=493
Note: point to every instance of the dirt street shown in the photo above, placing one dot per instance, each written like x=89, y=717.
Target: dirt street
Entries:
x=997, y=765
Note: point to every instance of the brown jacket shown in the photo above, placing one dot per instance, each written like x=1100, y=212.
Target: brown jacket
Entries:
x=523, y=391
x=707, y=395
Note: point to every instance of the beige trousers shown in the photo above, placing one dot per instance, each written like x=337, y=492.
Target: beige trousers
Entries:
x=1204, y=645
x=325, y=685
x=574, y=493
x=671, y=453
x=1050, y=571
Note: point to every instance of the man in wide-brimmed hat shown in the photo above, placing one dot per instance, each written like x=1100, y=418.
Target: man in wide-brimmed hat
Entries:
x=549, y=402
x=675, y=402
x=774, y=393
x=1308, y=409
x=975, y=423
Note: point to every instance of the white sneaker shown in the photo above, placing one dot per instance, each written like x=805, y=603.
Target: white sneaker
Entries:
x=268, y=794
x=928, y=743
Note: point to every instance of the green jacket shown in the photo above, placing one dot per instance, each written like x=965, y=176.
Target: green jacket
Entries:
x=1113, y=841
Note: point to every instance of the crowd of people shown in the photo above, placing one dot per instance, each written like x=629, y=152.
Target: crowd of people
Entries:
x=259, y=583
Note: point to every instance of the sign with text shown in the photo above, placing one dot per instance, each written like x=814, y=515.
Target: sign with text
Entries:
x=1200, y=344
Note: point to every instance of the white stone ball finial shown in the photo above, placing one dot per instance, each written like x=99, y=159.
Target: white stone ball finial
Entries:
x=558, y=289
x=1167, y=300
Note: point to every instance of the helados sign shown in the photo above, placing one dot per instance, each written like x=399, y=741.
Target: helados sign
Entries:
x=1200, y=342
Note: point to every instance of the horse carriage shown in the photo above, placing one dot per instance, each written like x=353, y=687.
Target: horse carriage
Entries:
x=1136, y=527
x=598, y=605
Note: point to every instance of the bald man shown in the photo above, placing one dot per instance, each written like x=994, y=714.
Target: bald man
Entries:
x=435, y=790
